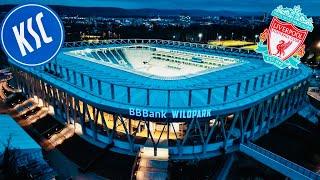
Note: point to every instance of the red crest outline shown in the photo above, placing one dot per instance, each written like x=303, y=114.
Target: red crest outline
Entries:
x=283, y=45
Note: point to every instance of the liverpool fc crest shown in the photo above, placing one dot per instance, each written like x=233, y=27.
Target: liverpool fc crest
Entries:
x=285, y=37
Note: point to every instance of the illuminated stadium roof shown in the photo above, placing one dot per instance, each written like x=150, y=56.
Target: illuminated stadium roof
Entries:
x=156, y=62
x=114, y=75
x=125, y=76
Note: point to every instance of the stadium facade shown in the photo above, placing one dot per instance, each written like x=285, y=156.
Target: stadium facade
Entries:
x=197, y=100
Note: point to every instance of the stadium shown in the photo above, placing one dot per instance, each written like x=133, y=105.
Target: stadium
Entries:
x=188, y=100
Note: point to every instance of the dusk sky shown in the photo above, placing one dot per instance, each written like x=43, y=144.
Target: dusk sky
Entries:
x=309, y=7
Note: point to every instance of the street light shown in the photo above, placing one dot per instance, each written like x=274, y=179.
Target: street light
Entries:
x=318, y=45
x=219, y=37
x=232, y=35
x=256, y=38
x=244, y=38
x=200, y=35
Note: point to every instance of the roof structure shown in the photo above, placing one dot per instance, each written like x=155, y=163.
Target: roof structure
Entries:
x=18, y=138
x=118, y=89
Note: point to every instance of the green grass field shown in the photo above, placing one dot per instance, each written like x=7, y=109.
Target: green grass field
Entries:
x=250, y=47
x=230, y=43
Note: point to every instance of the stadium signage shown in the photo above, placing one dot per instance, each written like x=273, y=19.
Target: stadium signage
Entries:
x=285, y=37
x=175, y=114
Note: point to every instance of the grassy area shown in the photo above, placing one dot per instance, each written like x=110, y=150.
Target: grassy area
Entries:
x=230, y=43
x=250, y=47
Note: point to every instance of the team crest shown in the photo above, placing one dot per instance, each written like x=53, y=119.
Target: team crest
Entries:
x=285, y=37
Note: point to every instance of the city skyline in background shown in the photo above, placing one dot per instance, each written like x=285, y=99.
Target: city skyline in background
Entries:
x=309, y=7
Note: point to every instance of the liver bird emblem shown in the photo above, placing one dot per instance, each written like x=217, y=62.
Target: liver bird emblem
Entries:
x=281, y=47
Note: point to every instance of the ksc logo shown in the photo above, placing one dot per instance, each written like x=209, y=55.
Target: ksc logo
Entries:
x=32, y=34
